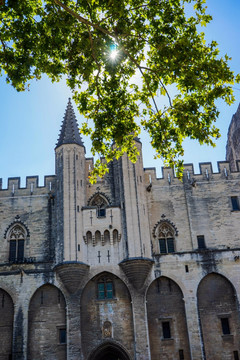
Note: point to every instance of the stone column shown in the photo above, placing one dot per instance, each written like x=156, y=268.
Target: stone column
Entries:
x=194, y=331
x=20, y=328
x=142, y=348
x=74, y=351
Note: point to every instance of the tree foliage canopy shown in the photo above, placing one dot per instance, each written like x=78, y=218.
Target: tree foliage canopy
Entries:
x=123, y=60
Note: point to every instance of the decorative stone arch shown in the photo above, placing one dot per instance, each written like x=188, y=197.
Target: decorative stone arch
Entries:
x=17, y=236
x=164, y=234
x=218, y=311
x=17, y=221
x=47, y=324
x=100, y=201
x=101, y=195
x=6, y=324
x=104, y=306
x=110, y=350
x=167, y=322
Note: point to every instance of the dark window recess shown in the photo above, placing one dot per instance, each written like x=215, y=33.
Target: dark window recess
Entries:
x=101, y=212
x=201, y=242
x=20, y=252
x=105, y=290
x=170, y=245
x=235, y=355
x=181, y=355
x=12, y=252
x=163, y=247
x=16, y=251
x=186, y=268
x=166, y=330
x=77, y=208
x=225, y=326
x=62, y=336
x=235, y=203
x=166, y=245
x=78, y=247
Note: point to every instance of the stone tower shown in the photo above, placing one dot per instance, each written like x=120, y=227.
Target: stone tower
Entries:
x=233, y=143
x=70, y=175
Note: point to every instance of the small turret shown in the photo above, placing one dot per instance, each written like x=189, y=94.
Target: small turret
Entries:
x=69, y=133
x=71, y=183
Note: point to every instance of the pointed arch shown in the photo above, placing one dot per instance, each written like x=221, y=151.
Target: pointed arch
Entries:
x=16, y=234
x=104, y=299
x=218, y=311
x=167, y=322
x=164, y=234
x=109, y=350
x=47, y=324
x=6, y=324
x=100, y=201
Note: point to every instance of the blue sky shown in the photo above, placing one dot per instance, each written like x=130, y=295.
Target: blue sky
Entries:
x=30, y=121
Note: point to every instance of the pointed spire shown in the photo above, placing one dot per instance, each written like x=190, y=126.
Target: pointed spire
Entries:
x=69, y=133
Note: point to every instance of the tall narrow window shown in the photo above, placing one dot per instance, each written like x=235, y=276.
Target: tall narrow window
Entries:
x=62, y=336
x=16, y=244
x=235, y=203
x=166, y=239
x=166, y=331
x=181, y=354
x=201, y=242
x=225, y=326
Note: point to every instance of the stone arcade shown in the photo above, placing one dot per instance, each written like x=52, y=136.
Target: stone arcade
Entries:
x=132, y=268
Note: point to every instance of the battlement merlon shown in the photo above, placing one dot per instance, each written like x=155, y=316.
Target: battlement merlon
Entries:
x=206, y=173
x=32, y=186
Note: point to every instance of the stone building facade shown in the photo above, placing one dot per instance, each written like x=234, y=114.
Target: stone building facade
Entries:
x=134, y=267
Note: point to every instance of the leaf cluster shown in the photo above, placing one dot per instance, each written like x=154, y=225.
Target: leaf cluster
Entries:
x=161, y=53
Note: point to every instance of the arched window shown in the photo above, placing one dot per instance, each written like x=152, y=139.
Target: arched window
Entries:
x=97, y=237
x=17, y=237
x=166, y=238
x=115, y=235
x=106, y=236
x=89, y=237
x=105, y=289
x=100, y=202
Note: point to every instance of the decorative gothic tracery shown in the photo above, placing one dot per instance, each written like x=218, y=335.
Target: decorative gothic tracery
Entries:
x=101, y=201
x=164, y=234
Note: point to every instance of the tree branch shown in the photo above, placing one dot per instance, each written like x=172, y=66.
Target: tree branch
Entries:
x=83, y=20
x=163, y=86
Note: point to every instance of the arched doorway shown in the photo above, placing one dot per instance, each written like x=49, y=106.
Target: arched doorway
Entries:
x=109, y=351
x=106, y=318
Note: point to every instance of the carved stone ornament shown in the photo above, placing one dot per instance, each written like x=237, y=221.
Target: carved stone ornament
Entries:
x=107, y=330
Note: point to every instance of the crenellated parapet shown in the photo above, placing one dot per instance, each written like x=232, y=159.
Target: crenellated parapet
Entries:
x=32, y=186
x=205, y=174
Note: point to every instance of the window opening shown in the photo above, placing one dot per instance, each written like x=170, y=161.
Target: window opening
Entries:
x=235, y=203
x=225, y=326
x=62, y=336
x=101, y=204
x=105, y=289
x=201, y=242
x=186, y=269
x=166, y=330
x=181, y=354
x=16, y=244
x=166, y=239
